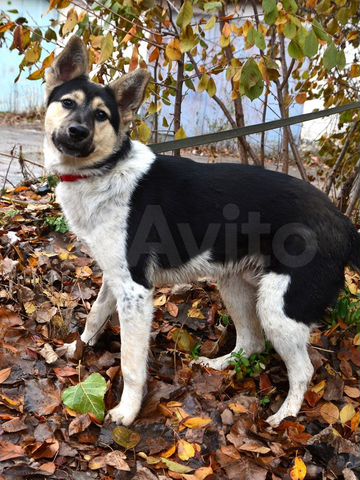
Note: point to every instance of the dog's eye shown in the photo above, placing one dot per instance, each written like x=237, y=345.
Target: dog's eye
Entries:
x=68, y=103
x=100, y=115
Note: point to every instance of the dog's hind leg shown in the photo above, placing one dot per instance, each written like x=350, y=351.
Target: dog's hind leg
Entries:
x=135, y=307
x=289, y=338
x=103, y=307
x=239, y=297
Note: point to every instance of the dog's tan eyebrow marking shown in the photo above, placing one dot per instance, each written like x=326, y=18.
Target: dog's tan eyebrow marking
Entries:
x=77, y=95
x=99, y=103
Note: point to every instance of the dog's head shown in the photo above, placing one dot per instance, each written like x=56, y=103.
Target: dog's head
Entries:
x=86, y=122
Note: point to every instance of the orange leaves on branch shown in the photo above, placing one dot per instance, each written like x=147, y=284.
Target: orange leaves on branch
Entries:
x=173, y=50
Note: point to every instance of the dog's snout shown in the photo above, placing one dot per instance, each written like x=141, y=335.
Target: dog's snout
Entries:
x=78, y=132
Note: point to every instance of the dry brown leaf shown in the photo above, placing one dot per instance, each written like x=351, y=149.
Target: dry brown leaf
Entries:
x=254, y=447
x=5, y=374
x=352, y=392
x=9, y=451
x=116, y=459
x=329, y=412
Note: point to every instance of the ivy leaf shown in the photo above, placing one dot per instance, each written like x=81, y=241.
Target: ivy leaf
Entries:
x=185, y=15
x=107, y=48
x=295, y=50
x=311, y=45
x=251, y=81
x=87, y=396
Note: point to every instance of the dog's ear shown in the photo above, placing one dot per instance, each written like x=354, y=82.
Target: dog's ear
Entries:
x=130, y=92
x=71, y=63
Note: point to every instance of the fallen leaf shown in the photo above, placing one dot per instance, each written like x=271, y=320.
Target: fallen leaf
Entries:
x=5, y=374
x=237, y=408
x=196, y=422
x=298, y=472
x=79, y=424
x=329, y=412
x=352, y=392
x=9, y=451
x=87, y=396
x=176, y=467
x=116, y=459
x=125, y=437
x=347, y=413
x=254, y=447
x=49, y=354
x=185, y=450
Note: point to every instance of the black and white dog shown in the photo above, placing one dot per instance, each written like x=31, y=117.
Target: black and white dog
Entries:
x=276, y=245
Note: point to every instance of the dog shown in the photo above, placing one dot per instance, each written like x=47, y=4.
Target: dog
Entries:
x=275, y=244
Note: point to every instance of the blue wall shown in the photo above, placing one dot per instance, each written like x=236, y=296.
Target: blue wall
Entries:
x=25, y=94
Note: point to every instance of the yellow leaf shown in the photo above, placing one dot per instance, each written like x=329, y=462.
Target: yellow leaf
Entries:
x=107, y=48
x=180, y=134
x=173, y=50
x=319, y=386
x=329, y=412
x=37, y=74
x=210, y=24
x=203, y=83
x=226, y=31
x=32, y=54
x=355, y=70
x=211, y=87
x=196, y=313
x=199, y=474
x=30, y=308
x=185, y=14
x=298, y=472
x=160, y=301
x=170, y=452
x=184, y=340
x=197, y=422
x=143, y=132
x=356, y=340
x=347, y=413
x=176, y=467
x=237, y=408
x=71, y=21
x=185, y=450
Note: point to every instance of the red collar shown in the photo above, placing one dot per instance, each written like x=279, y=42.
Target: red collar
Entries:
x=72, y=178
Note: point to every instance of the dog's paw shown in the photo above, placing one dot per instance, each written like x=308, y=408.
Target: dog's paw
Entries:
x=216, y=363
x=275, y=420
x=68, y=349
x=121, y=415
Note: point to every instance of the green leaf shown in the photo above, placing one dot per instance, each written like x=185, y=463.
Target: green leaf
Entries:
x=295, y=50
x=210, y=24
x=260, y=40
x=176, y=467
x=187, y=39
x=290, y=6
x=268, y=5
x=185, y=15
x=251, y=81
x=180, y=134
x=343, y=15
x=341, y=60
x=290, y=30
x=107, y=47
x=125, y=437
x=270, y=10
x=311, y=45
x=212, y=6
x=211, y=87
x=87, y=396
x=330, y=58
x=319, y=31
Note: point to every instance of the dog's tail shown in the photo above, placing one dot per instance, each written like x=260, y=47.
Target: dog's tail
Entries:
x=354, y=260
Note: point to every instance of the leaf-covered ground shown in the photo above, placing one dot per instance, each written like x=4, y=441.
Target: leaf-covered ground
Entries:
x=196, y=423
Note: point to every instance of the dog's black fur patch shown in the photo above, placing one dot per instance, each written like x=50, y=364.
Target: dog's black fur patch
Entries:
x=195, y=195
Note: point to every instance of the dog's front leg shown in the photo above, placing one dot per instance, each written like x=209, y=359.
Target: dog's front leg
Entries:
x=103, y=307
x=135, y=307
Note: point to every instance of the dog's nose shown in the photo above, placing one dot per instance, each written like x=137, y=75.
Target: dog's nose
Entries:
x=78, y=132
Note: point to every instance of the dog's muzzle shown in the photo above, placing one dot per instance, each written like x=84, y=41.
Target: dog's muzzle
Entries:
x=75, y=141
